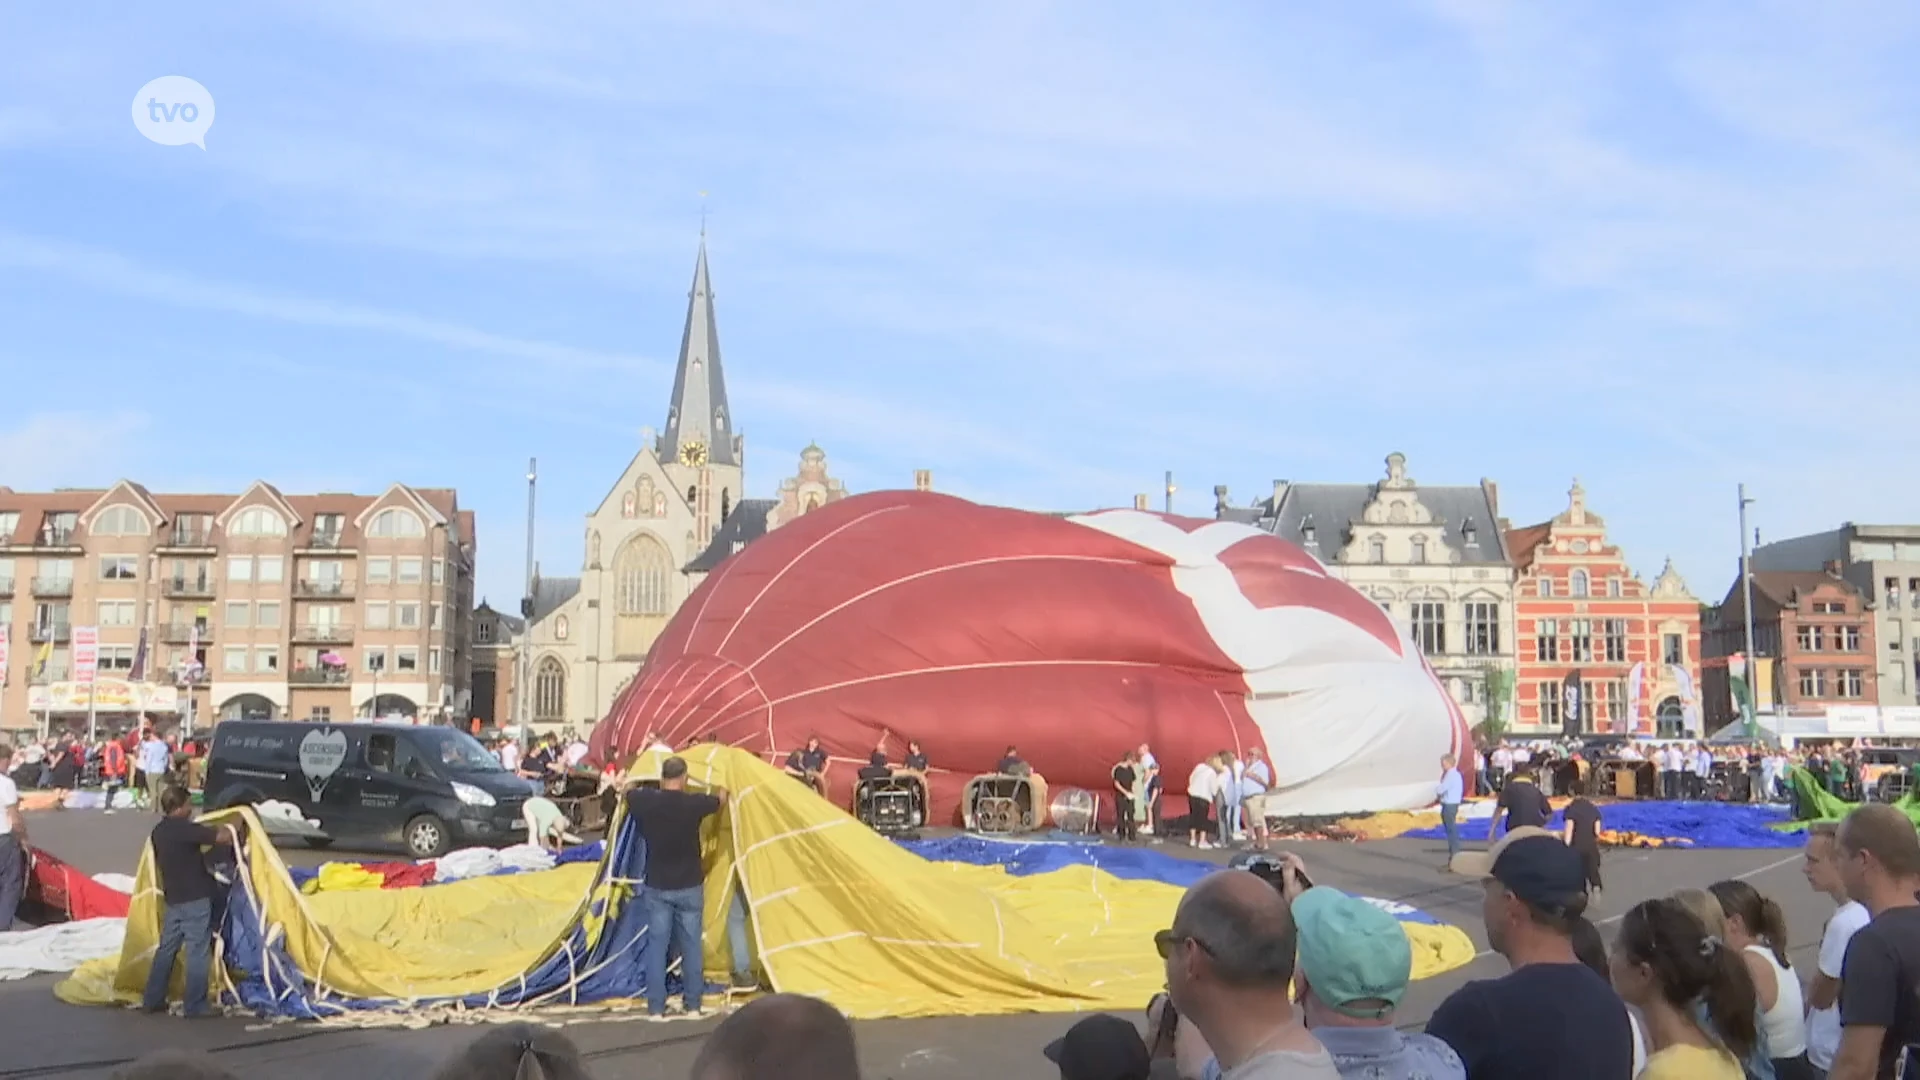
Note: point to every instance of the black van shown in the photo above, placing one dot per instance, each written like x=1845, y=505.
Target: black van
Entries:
x=431, y=788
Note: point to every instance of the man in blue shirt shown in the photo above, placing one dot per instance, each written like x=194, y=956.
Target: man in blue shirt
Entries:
x=1452, y=789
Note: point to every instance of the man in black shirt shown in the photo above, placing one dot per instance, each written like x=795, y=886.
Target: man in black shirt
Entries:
x=188, y=890
x=1582, y=833
x=1125, y=775
x=1011, y=765
x=1879, y=858
x=1522, y=805
x=669, y=819
x=1552, y=1015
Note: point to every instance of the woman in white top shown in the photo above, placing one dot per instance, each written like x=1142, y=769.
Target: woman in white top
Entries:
x=1202, y=784
x=1758, y=929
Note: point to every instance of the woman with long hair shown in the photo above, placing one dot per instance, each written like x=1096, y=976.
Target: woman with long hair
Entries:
x=1663, y=962
x=1757, y=930
x=1706, y=907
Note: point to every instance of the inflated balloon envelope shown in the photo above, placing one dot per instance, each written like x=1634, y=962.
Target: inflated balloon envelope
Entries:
x=837, y=912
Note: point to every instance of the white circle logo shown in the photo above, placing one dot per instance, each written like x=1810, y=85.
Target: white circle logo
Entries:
x=174, y=110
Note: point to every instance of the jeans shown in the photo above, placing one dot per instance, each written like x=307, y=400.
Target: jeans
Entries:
x=1450, y=821
x=13, y=878
x=189, y=925
x=674, y=913
x=738, y=953
x=1223, y=821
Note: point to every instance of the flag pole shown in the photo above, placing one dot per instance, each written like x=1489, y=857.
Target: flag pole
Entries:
x=1746, y=585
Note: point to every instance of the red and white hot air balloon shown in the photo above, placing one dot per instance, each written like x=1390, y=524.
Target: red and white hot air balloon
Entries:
x=972, y=628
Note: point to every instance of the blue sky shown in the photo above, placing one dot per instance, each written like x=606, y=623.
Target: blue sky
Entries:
x=1045, y=250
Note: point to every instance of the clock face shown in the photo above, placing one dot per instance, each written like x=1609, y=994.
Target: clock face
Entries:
x=694, y=454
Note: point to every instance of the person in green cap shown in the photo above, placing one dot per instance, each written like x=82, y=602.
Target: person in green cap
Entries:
x=1355, y=963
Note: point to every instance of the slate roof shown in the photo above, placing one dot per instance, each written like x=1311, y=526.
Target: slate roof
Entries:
x=699, y=409
x=1334, y=510
x=747, y=523
x=550, y=593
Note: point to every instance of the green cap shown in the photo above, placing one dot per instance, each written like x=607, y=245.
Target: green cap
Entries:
x=1352, y=951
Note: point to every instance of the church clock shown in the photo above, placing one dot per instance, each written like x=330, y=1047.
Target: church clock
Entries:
x=693, y=454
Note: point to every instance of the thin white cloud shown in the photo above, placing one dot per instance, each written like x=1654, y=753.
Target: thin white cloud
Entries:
x=90, y=448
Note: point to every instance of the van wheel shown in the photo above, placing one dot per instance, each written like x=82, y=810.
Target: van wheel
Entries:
x=321, y=842
x=427, y=837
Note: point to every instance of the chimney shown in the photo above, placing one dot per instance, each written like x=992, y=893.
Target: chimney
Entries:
x=1279, y=491
x=1219, y=500
x=1139, y=502
x=923, y=479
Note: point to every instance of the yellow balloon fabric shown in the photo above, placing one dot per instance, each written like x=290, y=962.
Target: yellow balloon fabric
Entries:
x=836, y=911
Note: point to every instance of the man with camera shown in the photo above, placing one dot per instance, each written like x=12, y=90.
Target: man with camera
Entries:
x=1354, y=964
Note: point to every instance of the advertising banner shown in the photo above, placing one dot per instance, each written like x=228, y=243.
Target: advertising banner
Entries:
x=110, y=695
x=86, y=653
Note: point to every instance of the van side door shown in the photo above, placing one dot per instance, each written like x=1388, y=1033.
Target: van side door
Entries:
x=385, y=785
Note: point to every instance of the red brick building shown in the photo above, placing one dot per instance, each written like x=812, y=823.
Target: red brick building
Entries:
x=1585, y=623
x=1819, y=627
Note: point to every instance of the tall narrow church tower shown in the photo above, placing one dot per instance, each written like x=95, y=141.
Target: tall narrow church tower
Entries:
x=699, y=448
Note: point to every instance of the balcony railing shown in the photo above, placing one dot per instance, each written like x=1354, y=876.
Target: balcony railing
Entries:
x=323, y=634
x=319, y=677
x=182, y=633
x=310, y=587
x=57, y=538
x=49, y=631
x=53, y=586
x=327, y=541
x=189, y=538
x=194, y=588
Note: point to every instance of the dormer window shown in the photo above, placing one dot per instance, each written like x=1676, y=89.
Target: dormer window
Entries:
x=1308, y=534
x=1469, y=533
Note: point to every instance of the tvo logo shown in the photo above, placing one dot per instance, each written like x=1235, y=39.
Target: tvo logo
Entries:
x=174, y=110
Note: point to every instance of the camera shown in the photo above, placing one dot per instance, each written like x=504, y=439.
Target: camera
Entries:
x=1266, y=867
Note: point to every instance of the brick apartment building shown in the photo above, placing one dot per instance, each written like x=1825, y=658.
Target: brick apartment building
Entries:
x=257, y=605
x=1817, y=625
x=1585, y=623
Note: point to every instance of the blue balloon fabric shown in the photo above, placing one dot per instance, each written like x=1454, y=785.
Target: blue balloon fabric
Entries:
x=1024, y=857
x=1700, y=824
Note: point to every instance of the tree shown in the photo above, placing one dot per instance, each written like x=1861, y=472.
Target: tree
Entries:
x=1499, y=697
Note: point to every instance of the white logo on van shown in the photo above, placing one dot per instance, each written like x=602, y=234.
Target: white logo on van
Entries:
x=321, y=754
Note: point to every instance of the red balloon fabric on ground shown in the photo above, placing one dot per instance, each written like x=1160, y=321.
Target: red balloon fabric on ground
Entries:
x=971, y=629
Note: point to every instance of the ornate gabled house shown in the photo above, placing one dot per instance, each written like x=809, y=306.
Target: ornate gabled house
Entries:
x=674, y=514
x=1587, y=624
x=1432, y=556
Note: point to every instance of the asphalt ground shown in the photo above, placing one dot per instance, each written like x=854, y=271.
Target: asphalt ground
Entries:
x=42, y=1036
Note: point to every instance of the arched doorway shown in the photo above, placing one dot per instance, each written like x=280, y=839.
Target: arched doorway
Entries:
x=393, y=705
x=1670, y=719
x=249, y=707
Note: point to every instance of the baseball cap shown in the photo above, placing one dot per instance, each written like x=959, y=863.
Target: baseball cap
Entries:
x=1532, y=863
x=1351, y=951
x=1101, y=1047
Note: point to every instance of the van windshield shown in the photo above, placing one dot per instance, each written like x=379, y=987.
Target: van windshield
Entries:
x=457, y=751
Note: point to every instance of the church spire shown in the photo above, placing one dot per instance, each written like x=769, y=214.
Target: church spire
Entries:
x=698, y=415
